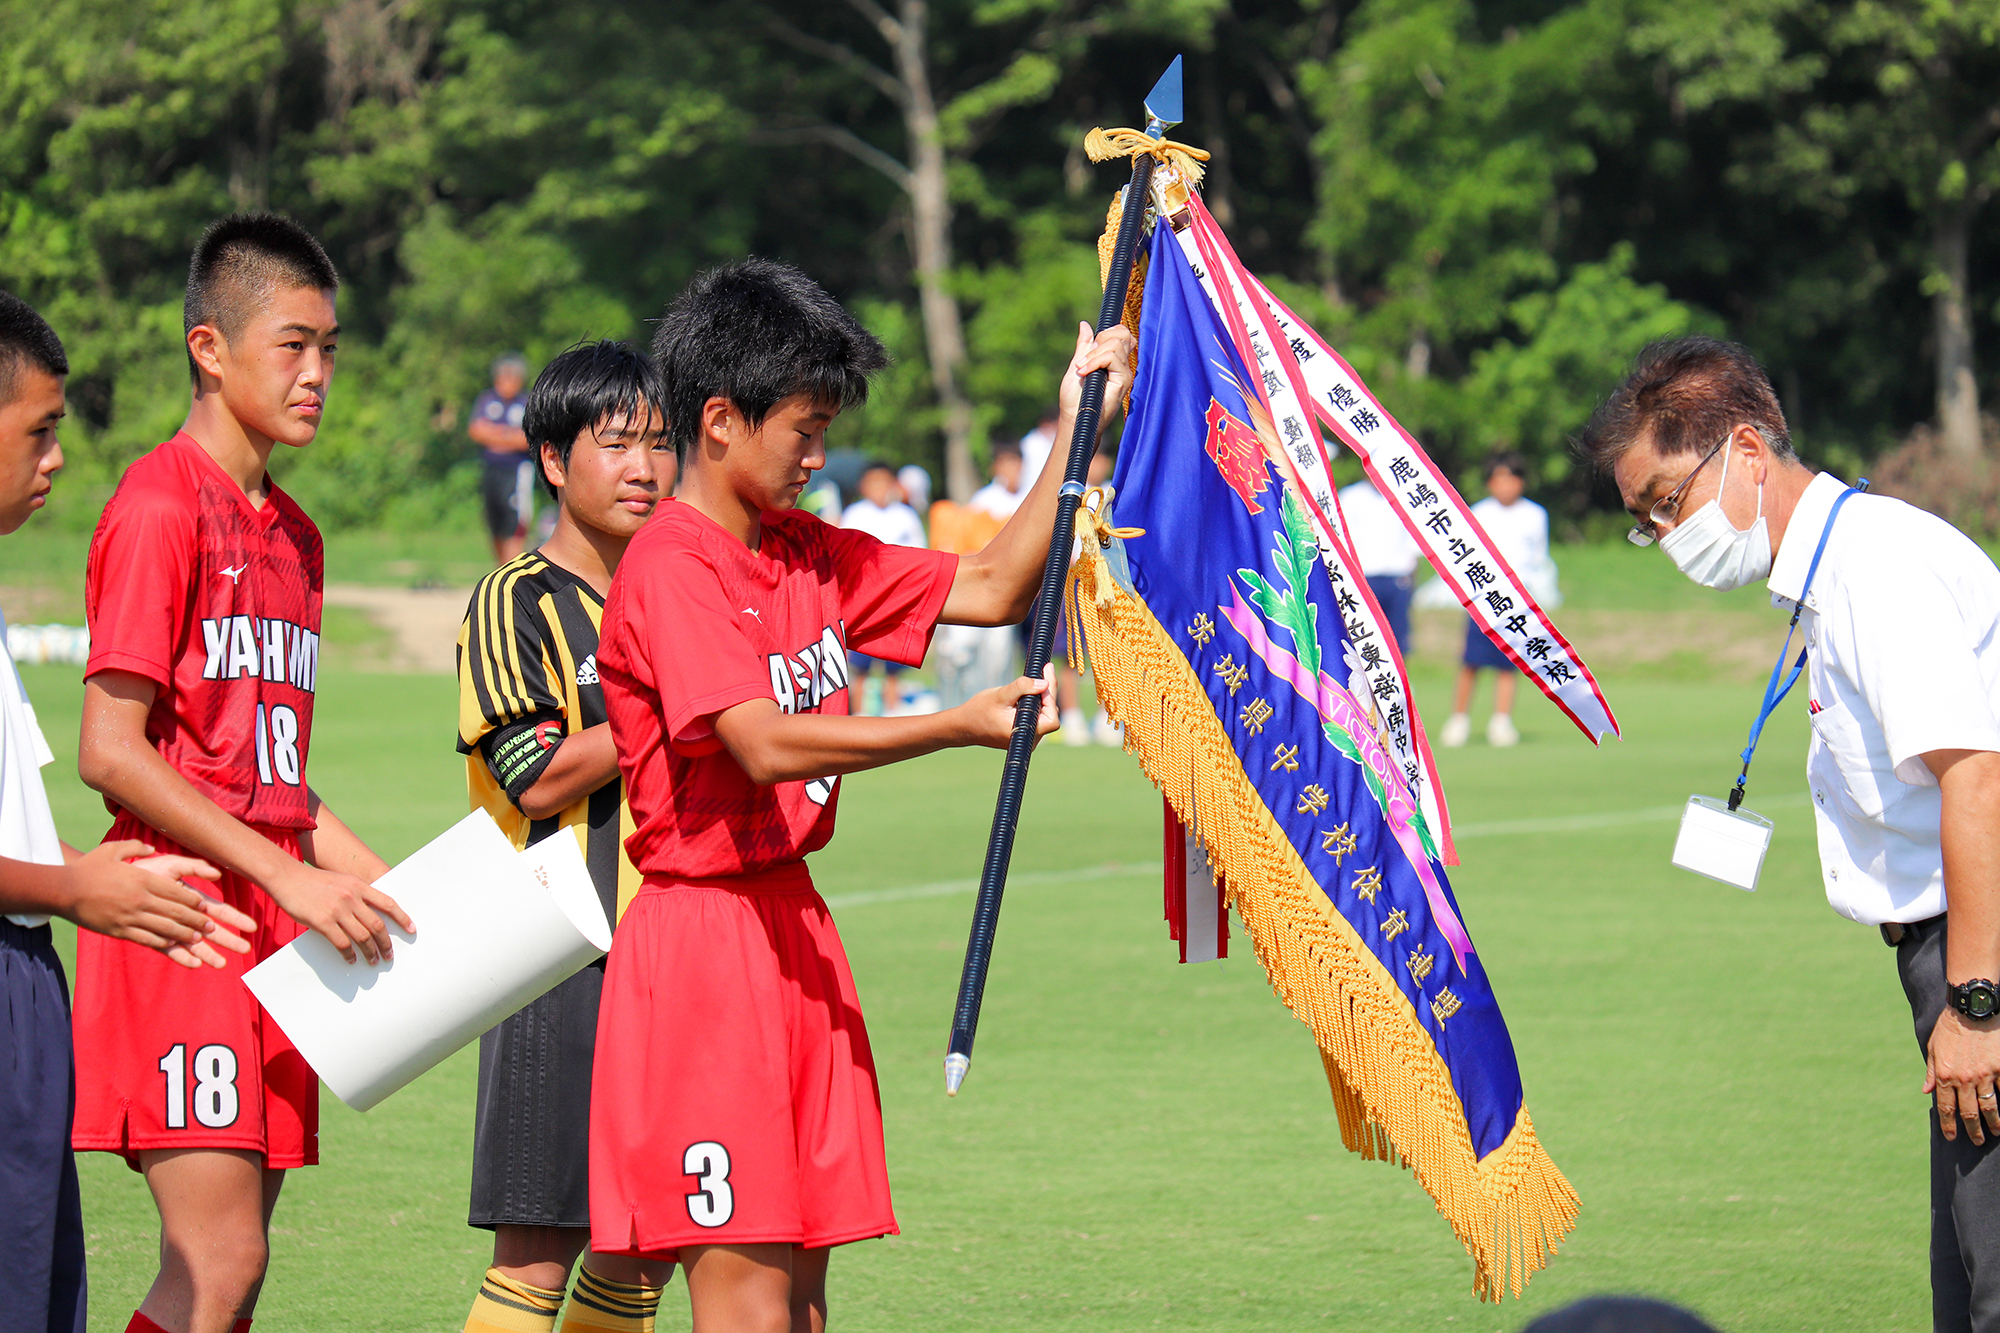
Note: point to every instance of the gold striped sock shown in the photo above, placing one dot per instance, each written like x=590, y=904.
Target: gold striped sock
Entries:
x=599, y=1305
x=504, y=1305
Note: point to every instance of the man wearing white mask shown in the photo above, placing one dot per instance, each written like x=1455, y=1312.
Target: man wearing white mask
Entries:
x=1901, y=617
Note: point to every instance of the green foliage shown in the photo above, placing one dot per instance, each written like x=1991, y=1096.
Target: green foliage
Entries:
x=1573, y=342
x=1487, y=207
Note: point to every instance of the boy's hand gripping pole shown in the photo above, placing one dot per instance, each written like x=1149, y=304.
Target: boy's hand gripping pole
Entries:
x=1163, y=109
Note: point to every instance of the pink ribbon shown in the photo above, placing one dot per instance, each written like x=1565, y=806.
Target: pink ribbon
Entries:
x=1339, y=708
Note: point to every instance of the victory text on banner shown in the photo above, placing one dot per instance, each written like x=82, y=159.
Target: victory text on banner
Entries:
x=1300, y=368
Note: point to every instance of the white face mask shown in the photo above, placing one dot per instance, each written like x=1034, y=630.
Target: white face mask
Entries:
x=1714, y=552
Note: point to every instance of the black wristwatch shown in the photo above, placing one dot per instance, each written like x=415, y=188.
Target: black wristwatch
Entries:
x=1975, y=999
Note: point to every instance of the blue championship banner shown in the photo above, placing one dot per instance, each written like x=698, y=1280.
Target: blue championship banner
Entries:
x=1217, y=637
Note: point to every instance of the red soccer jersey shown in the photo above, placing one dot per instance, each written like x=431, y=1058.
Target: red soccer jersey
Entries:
x=218, y=603
x=697, y=623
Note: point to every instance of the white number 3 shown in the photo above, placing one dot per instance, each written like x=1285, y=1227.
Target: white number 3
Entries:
x=712, y=1204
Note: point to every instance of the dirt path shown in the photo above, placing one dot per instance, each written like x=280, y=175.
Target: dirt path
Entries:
x=1730, y=646
x=422, y=622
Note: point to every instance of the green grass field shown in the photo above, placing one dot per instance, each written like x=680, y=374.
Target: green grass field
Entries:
x=1727, y=1079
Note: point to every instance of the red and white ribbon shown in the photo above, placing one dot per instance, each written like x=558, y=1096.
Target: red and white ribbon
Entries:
x=1437, y=517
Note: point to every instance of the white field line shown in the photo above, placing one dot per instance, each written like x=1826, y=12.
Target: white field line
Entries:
x=1659, y=814
x=946, y=887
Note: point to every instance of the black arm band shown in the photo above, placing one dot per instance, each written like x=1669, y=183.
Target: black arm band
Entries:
x=517, y=753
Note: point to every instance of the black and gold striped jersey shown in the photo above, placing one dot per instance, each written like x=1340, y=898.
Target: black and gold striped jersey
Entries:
x=527, y=677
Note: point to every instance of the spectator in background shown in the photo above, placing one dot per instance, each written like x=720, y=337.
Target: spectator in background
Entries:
x=971, y=658
x=881, y=513
x=1388, y=554
x=1520, y=530
x=916, y=484
x=1001, y=496
x=1036, y=446
x=507, y=484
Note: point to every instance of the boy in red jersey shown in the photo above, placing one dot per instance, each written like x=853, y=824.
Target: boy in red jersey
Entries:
x=203, y=592
x=735, y=1123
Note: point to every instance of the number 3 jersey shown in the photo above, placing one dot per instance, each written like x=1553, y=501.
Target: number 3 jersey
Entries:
x=216, y=602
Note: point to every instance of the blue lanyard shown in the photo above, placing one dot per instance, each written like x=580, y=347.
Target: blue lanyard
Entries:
x=1775, y=691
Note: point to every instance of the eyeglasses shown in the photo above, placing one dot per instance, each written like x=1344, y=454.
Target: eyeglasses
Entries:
x=1667, y=508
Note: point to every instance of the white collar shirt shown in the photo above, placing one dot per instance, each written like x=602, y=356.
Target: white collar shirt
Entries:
x=1902, y=632
x=892, y=524
x=1380, y=540
x=27, y=829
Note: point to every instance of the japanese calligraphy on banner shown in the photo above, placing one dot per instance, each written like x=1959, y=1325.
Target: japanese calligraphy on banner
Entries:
x=1300, y=368
x=1377, y=659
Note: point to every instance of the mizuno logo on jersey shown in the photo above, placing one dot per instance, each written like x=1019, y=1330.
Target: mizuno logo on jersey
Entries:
x=809, y=677
x=234, y=574
x=586, y=670
x=250, y=646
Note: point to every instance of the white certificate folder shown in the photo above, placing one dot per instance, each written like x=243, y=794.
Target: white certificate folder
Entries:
x=496, y=929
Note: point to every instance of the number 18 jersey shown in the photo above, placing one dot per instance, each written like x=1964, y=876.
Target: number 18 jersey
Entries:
x=216, y=602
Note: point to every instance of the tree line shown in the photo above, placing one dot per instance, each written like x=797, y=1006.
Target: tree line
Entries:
x=1488, y=206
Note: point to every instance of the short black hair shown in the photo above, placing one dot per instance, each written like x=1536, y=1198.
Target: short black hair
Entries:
x=1508, y=460
x=580, y=388
x=877, y=465
x=1685, y=393
x=1006, y=448
x=25, y=340
x=757, y=332
x=243, y=259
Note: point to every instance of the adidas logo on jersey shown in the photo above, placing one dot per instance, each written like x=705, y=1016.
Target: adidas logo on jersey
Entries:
x=586, y=670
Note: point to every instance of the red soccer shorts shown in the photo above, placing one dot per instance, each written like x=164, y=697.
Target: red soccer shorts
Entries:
x=167, y=1057
x=734, y=1099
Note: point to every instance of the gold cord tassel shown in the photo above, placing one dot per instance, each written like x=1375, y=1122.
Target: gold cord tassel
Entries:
x=1102, y=145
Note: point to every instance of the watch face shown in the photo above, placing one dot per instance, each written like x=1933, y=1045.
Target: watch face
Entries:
x=1978, y=999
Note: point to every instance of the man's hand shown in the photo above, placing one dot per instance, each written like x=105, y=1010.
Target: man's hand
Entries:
x=1110, y=350
x=120, y=889
x=1964, y=1054
x=342, y=908
x=1964, y=1066
x=989, y=715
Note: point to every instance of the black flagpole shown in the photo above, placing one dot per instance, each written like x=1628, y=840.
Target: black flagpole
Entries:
x=1163, y=109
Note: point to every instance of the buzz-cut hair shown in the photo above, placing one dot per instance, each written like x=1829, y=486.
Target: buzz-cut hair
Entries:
x=585, y=386
x=756, y=332
x=243, y=260
x=1684, y=394
x=26, y=340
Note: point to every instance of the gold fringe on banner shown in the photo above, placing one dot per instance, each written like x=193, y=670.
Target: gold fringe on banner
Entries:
x=1391, y=1090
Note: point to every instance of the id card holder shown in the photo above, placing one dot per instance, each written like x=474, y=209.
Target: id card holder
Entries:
x=1723, y=844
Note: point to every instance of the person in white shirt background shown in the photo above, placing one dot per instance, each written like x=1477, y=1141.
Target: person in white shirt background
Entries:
x=119, y=889
x=1520, y=530
x=1902, y=626
x=916, y=487
x=1001, y=496
x=1389, y=555
x=881, y=513
x=1037, y=445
